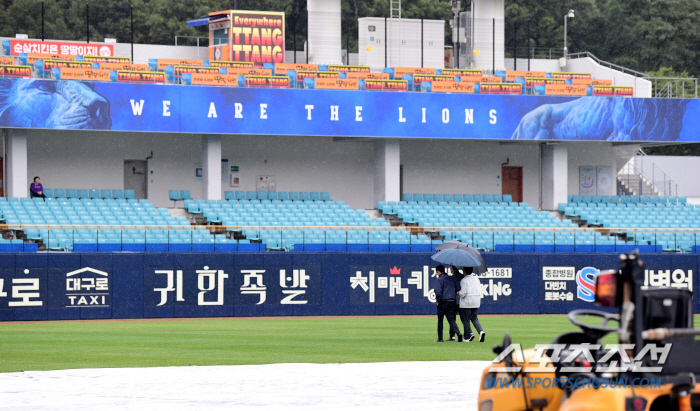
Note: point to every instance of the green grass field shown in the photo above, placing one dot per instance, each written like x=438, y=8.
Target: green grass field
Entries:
x=95, y=344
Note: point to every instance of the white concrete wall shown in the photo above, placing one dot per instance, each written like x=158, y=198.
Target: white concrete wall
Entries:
x=324, y=31
x=589, y=154
x=642, y=88
x=535, y=65
x=684, y=170
x=483, y=35
x=467, y=166
x=88, y=159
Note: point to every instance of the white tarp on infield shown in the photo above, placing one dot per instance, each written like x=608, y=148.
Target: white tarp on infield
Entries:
x=379, y=386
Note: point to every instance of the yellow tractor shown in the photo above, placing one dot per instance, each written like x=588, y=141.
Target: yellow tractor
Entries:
x=651, y=368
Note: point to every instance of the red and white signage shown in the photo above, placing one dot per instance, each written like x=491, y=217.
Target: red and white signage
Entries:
x=55, y=47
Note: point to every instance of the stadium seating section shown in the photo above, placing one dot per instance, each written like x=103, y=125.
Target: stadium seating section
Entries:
x=496, y=223
x=651, y=223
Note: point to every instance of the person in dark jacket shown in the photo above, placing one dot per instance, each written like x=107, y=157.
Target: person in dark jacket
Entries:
x=456, y=276
x=445, y=295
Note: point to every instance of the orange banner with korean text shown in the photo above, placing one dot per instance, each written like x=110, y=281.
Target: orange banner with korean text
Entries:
x=301, y=75
x=209, y=79
x=252, y=71
x=281, y=69
x=541, y=81
x=571, y=75
x=501, y=88
x=123, y=66
x=8, y=61
x=231, y=64
x=52, y=64
x=348, y=69
x=477, y=79
x=32, y=57
x=419, y=78
x=178, y=62
x=399, y=72
x=267, y=81
x=178, y=71
x=452, y=87
x=565, y=90
x=367, y=76
x=107, y=59
x=511, y=75
x=11, y=70
x=462, y=72
x=124, y=76
x=591, y=82
x=603, y=90
x=386, y=85
x=336, y=84
x=84, y=74
x=624, y=91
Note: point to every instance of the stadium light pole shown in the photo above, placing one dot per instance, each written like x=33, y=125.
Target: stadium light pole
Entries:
x=568, y=15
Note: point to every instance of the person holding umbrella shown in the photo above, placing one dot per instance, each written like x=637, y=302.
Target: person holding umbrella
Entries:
x=469, y=302
x=445, y=296
x=456, y=276
x=463, y=255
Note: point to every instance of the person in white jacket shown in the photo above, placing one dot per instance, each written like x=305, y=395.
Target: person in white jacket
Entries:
x=469, y=302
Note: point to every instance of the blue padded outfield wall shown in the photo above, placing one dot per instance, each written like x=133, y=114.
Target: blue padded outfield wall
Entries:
x=71, y=286
x=67, y=104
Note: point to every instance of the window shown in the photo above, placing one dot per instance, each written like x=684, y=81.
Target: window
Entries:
x=220, y=37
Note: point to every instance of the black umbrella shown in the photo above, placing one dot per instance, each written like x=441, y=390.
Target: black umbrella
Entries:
x=479, y=264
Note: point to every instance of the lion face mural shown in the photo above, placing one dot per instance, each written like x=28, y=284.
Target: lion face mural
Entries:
x=605, y=118
x=52, y=104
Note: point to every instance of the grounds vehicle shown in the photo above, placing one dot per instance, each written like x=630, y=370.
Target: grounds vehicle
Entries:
x=652, y=368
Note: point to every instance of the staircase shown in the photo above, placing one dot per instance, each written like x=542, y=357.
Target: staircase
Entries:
x=641, y=177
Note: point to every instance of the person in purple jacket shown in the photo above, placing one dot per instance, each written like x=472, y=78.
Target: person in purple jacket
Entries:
x=36, y=189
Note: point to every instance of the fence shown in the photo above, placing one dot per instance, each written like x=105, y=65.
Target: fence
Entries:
x=643, y=177
x=72, y=286
x=415, y=238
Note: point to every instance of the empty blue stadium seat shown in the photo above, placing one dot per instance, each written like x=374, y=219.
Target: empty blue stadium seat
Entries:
x=407, y=197
x=71, y=193
x=251, y=195
x=185, y=195
x=477, y=198
x=229, y=195
x=447, y=198
x=282, y=195
x=59, y=193
x=272, y=195
x=105, y=193
x=507, y=198
x=129, y=194
x=488, y=198
x=261, y=195
x=174, y=195
x=325, y=196
x=293, y=196
x=314, y=196
x=48, y=193
x=94, y=193
x=457, y=198
x=303, y=196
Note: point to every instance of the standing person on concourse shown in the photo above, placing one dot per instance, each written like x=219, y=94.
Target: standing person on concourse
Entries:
x=445, y=295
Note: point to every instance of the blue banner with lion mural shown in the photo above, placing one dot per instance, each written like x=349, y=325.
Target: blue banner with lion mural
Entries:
x=66, y=104
x=73, y=286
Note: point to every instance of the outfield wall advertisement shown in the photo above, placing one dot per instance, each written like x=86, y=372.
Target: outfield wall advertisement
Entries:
x=70, y=104
x=65, y=286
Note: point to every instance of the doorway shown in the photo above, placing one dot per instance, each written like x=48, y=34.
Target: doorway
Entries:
x=135, y=177
x=512, y=182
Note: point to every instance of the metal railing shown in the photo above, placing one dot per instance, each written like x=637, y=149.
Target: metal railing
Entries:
x=641, y=172
x=663, y=87
x=332, y=238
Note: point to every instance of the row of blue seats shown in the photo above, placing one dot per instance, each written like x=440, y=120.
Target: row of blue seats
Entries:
x=459, y=198
x=91, y=193
x=627, y=199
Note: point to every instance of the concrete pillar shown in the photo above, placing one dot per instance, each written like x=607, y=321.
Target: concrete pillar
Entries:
x=555, y=176
x=17, y=179
x=387, y=170
x=324, y=32
x=489, y=42
x=211, y=167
